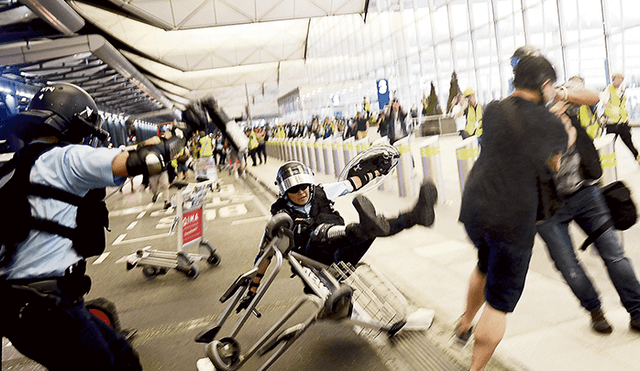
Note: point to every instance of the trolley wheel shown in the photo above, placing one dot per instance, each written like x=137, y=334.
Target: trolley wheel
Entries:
x=193, y=272
x=150, y=272
x=105, y=311
x=223, y=353
x=213, y=259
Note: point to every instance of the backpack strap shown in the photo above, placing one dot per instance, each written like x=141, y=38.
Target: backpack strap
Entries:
x=597, y=233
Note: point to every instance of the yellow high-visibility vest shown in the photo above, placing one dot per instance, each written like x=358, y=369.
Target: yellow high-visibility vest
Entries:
x=474, y=116
x=619, y=102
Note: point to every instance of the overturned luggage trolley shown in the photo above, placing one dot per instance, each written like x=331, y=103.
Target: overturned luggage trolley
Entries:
x=190, y=222
x=358, y=295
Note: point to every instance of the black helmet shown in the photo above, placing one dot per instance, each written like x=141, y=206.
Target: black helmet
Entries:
x=522, y=52
x=291, y=174
x=76, y=109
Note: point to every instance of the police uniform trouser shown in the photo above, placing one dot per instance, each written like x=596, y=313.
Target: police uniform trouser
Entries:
x=349, y=248
x=56, y=330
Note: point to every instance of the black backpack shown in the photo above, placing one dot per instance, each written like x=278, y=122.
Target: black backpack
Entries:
x=16, y=220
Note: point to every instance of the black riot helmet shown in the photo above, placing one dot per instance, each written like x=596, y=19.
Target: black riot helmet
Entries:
x=291, y=174
x=76, y=113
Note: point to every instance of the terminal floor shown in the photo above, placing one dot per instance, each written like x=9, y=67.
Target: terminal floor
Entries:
x=549, y=330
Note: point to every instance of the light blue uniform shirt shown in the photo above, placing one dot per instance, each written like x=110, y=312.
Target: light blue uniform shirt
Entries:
x=75, y=169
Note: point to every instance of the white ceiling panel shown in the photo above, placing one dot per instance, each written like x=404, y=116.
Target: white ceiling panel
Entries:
x=204, y=46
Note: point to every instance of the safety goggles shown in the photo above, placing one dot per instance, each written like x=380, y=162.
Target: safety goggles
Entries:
x=298, y=188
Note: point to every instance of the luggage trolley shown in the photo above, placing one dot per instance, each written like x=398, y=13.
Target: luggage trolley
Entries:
x=341, y=292
x=190, y=222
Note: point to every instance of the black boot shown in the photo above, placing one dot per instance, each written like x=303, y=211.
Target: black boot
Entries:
x=422, y=213
x=371, y=224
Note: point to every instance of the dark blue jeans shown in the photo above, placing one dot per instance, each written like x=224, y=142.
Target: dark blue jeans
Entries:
x=588, y=209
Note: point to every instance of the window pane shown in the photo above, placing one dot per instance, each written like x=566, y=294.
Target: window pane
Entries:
x=441, y=25
x=480, y=13
x=630, y=12
x=459, y=19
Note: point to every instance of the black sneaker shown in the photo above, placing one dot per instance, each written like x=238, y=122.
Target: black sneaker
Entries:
x=599, y=323
x=423, y=213
x=167, y=205
x=373, y=225
x=154, y=198
x=463, y=338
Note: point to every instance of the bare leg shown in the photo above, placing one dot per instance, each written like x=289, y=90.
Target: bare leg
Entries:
x=475, y=299
x=488, y=334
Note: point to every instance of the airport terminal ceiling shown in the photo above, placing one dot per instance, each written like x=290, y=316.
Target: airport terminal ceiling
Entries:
x=137, y=56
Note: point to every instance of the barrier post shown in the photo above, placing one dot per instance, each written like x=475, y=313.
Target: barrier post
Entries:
x=305, y=154
x=405, y=168
x=298, y=150
x=319, y=155
x=432, y=165
x=349, y=149
x=466, y=154
x=310, y=151
x=328, y=158
x=608, y=160
x=338, y=156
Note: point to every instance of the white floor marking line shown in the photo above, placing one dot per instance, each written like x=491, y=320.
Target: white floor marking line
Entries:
x=250, y=220
x=131, y=226
x=141, y=215
x=101, y=258
x=120, y=239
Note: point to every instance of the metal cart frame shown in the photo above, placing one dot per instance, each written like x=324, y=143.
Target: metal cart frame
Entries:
x=190, y=223
x=338, y=292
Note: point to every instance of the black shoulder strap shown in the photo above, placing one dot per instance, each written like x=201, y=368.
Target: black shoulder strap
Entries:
x=597, y=233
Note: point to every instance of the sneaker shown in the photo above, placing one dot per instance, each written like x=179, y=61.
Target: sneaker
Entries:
x=373, y=225
x=167, y=205
x=634, y=325
x=423, y=213
x=463, y=338
x=599, y=323
x=154, y=198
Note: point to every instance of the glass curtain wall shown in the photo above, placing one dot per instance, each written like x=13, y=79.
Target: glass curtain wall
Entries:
x=414, y=43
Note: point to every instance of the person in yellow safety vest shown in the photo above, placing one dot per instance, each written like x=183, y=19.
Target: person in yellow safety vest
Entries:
x=180, y=164
x=253, y=145
x=367, y=107
x=206, y=146
x=280, y=133
x=588, y=119
x=614, y=103
x=425, y=104
x=473, y=113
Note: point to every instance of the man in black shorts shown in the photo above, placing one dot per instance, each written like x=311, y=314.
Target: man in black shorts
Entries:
x=522, y=144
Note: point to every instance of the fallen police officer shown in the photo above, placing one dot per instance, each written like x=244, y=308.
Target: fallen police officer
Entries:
x=320, y=232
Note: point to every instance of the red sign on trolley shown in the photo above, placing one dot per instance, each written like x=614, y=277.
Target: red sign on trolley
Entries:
x=191, y=226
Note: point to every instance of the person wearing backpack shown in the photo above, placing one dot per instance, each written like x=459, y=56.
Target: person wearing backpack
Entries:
x=583, y=202
x=57, y=216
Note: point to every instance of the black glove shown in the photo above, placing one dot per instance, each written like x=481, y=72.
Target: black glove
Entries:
x=385, y=163
x=244, y=302
x=148, y=159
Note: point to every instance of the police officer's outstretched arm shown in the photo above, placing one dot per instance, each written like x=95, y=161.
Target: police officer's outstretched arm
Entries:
x=149, y=157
